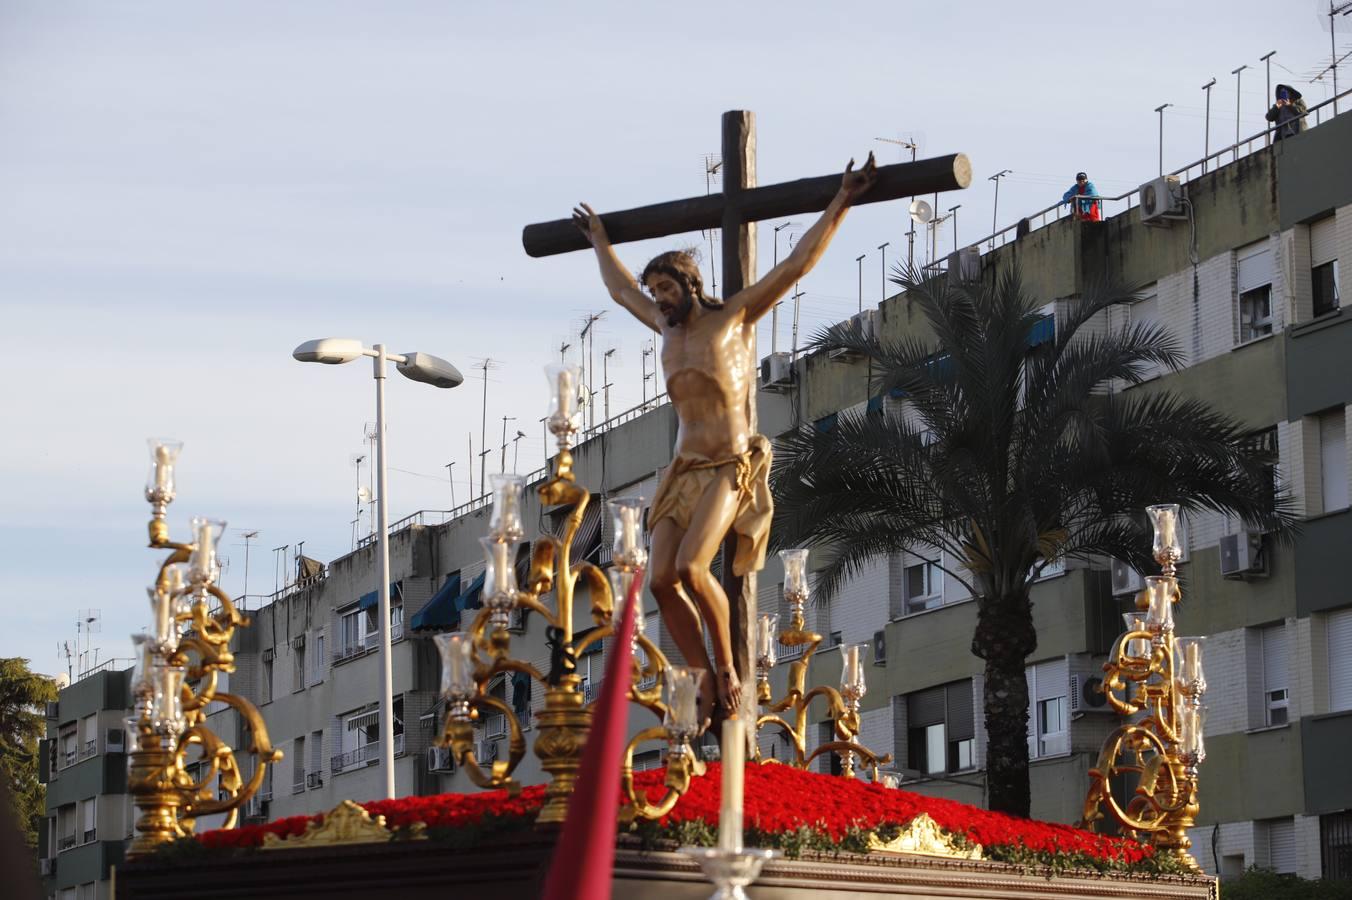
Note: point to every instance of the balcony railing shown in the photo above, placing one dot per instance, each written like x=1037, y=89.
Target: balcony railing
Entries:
x=298, y=787
x=66, y=842
x=789, y=651
x=89, y=749
x=68, y=759
x=366, y=754
x=89, y=836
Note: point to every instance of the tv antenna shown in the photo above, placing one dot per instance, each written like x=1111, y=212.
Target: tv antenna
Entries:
x=249, y=536
x=88, y=621
x=484, y=366
x=713, y=165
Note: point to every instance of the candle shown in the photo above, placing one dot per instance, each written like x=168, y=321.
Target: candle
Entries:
x=505, y=524
x=1164, y=518
x=734, y=760
x=1159, y=616
x=457, y=665
x=566, y=392
x=1136, y=647
x=160, y=606
x=765, y=640
x=1192, y=659
x=851, y=674
x=682, y=691
x=162, y=471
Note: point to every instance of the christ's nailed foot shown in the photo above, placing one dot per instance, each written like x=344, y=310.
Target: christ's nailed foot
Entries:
x=729, y=691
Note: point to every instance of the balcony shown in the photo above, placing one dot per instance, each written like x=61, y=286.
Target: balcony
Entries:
x=366, y=754
x=89, y=749
x=298, y=787
x=68, y=758
x=66, y=842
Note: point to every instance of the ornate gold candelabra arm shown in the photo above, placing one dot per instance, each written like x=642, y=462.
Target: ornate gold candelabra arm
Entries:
x=795, y=739
x=458, y=734
x=682, y=767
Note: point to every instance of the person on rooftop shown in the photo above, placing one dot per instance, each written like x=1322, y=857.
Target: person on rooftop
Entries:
x=1087, y=207
x=1288, y=113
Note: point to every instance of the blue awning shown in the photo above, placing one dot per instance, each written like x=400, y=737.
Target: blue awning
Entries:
x=826, y=424
x=875, y=404
x=1043, y=330
x=472, y=597
x=370, y=600
x=440, y=611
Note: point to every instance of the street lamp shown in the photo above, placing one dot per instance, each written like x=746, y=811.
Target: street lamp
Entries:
x=417, y=367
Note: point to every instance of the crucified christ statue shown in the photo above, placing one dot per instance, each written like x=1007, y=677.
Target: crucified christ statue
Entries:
x=719, y=478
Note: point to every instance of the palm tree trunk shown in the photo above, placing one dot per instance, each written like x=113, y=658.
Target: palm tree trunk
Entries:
x=1004, y=639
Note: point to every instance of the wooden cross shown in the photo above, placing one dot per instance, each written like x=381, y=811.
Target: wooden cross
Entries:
x=736, y=210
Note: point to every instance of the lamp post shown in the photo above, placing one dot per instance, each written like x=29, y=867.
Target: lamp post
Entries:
x=995, y=211
x=416, y=367
x=774, y=312
x=882, y=250
x=1267, y=62
x=859, y=260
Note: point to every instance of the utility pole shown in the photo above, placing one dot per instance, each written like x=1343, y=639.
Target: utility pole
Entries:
x=712, y=163
x=774, y=312
x=647, y=352
x=450, y=477
x=605, y=378
x=1341, y=9
x=1267, y=61
x=995, y=211
x=953, y=211
x=516, y=450
x=1238, y=76
x=860, y=261
x=248, y=536
x=796, y=295
x=882, y=248
x=1160, y=109
x=589, y=336
x=505, y=420
x=1206, y=151
x=471, y=465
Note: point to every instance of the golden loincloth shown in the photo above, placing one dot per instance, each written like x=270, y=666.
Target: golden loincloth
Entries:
x=690, y=474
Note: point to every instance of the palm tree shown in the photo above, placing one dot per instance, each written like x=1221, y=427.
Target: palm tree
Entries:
x=1017, y=455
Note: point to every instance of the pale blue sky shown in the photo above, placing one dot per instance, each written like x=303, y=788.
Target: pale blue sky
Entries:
x=189, y=190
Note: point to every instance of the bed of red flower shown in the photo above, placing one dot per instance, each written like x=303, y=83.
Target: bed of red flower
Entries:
x=785, y=807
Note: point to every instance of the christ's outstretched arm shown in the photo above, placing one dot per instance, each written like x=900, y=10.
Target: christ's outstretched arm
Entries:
x=757, y=299
x=621, y=285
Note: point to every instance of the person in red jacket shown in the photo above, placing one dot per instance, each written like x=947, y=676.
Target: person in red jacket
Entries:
x=1090, y=210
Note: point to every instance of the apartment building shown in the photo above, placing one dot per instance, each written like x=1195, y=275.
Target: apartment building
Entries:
x=83, y=762
x=1242, y=266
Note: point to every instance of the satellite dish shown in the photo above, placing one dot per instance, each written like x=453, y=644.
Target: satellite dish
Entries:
x=921, y=212
x=364, y=495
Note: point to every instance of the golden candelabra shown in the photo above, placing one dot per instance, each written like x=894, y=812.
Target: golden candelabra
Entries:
x=472, y=660
x=842, y=706
x=176, y=679
x=1160, y=676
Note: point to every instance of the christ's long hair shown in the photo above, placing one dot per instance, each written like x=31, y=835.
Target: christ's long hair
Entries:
x=681, y=265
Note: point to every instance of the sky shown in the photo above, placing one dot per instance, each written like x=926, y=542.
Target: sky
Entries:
x=188, y=191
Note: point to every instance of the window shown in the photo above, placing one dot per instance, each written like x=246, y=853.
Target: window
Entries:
x=89, y=817
x=1281, y=844
x=1263, y=444
x=350, y=632
x=922, y=586
x=298, y=765
x=1276, y=693
x=1254, y=277
x=1145, y=313
x=1324, y=266
x=1339, y=625
x=940, y=729
x=318, y=661
x=648, y=759
x=359, y=740
x=1333, y=459
x=396, y=622
x=1048, y=732
x=70, y=738
x=314, y=777
x=267, y=679
x=1335, y=839
x=298, y=669
x=89, y=736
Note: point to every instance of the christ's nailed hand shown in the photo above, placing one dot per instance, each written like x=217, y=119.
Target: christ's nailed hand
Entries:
x=854, y=184
x=589, y=223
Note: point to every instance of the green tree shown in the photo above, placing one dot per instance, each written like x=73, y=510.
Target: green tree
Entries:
x=1018, y=454
x=22, y=720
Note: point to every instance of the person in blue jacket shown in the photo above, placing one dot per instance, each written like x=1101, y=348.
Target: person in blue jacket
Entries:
x=1089, y=209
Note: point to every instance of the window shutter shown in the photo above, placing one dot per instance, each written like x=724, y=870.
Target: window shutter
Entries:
x=1255, y=269
x=1323, y=242
x=1340, y=660
x=961, y=725
x=925, y=708
x=1333, y=459
x=1282, y=845
x=1275, y=658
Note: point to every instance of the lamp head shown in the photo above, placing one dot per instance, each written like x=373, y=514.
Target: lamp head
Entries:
x=330, y=351
x=429, y=369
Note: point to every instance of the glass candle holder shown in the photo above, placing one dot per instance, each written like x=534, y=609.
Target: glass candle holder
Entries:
x=160, y=482
x=795, y=582
x=564, y=417
x=500, y=590
x=852, y=671
x=1191, y=733
x=505, y=523
x=1137, y=648
x=1167, y=546
x=1159, y=615
x=203, y=568
x=621, y=582
x=681, y=687
x=626, y=517
x=767, y=635
x=166, y=716
x=1189, y=665
x=162, y=620
x=457, y=672
x=142, y=681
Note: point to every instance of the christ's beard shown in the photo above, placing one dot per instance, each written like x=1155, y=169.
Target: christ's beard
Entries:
x=681, y=313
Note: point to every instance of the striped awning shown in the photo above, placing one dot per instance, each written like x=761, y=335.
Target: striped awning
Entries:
x=365, y=720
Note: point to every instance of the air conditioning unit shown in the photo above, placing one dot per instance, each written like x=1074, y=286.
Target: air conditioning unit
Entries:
x=485, y=751
x=1086, y=695
x=440, y=759
x=1242, y=554
x=48, y=867
x=776, y=372
x=1126, y=580
x=880, y=648
x=964, y=265
x=314, y=779
x=53, y=709
x=864, y=322
x=115, y=741
x=1161, y=199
